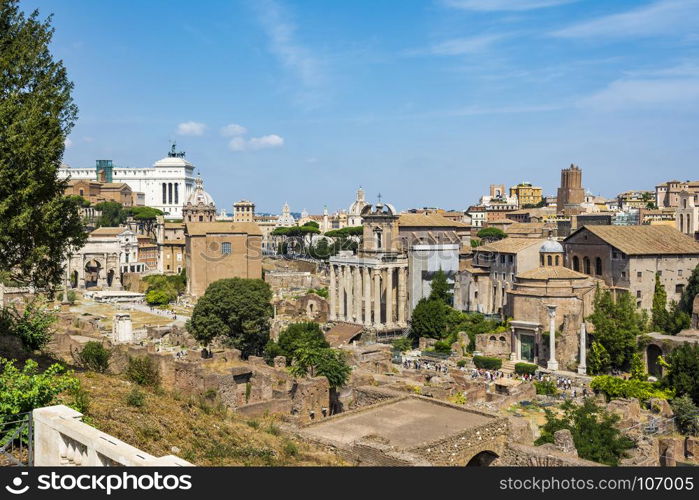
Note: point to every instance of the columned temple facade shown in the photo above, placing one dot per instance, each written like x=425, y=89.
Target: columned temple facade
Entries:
x=371, y=288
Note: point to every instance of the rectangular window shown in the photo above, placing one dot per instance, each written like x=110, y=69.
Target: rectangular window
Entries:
x=638, y=294
x=679, y=288
x=679, y=272
x=639, y=274
x=225, y=248
x=623, y=274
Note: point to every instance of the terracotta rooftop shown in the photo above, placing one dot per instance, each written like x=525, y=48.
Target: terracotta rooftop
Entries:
x=203, y=228
x=422, y=220
x=511, y=245
x=644, y=240
x=108, y=231
x=551, y=273
x=342, y=333
x=525, y=227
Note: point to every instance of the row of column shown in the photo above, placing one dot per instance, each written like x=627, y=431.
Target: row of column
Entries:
x=168, y=191
x=368, y=296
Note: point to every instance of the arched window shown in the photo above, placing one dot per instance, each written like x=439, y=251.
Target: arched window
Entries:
x=542, y=259
x=684, y=203
x=576, y=263
x=379, y=243
x=586, y=265
x=558, y=260
x=681, y=224
x=598, y=266
x=549, y=260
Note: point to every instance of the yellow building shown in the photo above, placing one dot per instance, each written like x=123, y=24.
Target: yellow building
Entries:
x=526, y=194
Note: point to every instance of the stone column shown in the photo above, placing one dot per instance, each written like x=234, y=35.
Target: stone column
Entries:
x=402, y=295
x=332, y=292
x=552, y=363
x=341, y=293
x=377, y=297
x=367, y=296
x=513, y=348
x=389, y=296
x=582, y=366
x=357, y=294
x=349, y=312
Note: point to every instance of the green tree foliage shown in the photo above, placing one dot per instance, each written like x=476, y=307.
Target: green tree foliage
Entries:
x=79, y=200
x=164, y=288
x=594, y=431
x=679, y=320
x=403, y=344
x=143, y=371
x=491, y=234
x=525, y=368
x=322, y=250
x=33, y=326
x=689, y=292
x=429, y=319
x=312, y=223
x=682, y=374
x=546, y=387
x=617, y=327
x=325, y=362
x=94, y=356
x=472, y=324
x=38, y=224
x=295, y=231
x=346, y=232
x=146, y=218
x=113, y=214
x=686, y=415
x=238, y=310
x=638, y=369
x=598, y=359
x=441, y=289
x=300, y=335
x=321, y=292
x=615, y=387
x=22, y=390
x=660, y=318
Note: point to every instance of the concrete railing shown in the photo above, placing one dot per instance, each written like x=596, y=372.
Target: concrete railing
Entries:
x=61, y=438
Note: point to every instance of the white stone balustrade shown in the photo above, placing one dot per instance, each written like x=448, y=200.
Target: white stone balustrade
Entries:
x=62, y=439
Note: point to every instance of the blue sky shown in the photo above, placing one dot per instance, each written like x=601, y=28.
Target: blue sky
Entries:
x=427, y=102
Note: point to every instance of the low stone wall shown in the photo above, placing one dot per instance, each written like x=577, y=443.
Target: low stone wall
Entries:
x=368, y=395
x=520, y=455
x=282, y=406
x=61, y=438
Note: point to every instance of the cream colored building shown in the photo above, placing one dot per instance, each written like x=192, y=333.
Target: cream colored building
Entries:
x=687, y=214
x=243, y=211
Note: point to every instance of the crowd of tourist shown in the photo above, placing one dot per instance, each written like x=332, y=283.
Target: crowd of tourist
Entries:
x=420, y=364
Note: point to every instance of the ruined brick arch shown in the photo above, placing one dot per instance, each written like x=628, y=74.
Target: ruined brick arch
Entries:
x=482, y=459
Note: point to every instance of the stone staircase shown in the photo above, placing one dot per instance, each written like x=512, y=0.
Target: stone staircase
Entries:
x=508, y=366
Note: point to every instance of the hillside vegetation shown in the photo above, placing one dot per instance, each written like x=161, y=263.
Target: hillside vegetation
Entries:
x=199, y=430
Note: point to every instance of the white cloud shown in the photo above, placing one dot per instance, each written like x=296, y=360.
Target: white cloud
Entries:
x=256, y=143
x=191, y=128
x=664, y=17
x=283, y=44
x=233, y=130
x=68, y=143
x=266, y=142
x=503, y=5
x=462, y=46
x=674, y=93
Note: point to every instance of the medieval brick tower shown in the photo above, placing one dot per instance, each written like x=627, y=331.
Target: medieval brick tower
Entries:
x=571, y=193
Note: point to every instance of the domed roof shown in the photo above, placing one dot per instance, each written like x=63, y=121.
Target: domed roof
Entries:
x=199, y=196
x=358, y=204
x=551, y=246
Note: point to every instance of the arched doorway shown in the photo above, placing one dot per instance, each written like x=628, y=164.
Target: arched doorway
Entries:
x=74, y=279
x=92, y=273
x=652, y=354
x=482, y=459
x=110, y=277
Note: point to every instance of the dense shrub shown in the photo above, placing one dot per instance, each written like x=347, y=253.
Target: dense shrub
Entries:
x=403, y=344
x=71, y=296
x=525, y=368
x=487, y=363
x=614, y=387
x=33, y=326
x=136, y=398
x=142, y=370
x=94, y=356
x=686, y=415
x=461, y=363
x=546, y=388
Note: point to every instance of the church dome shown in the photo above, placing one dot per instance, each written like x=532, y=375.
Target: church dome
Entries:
x=199, y=196
x=551, y=246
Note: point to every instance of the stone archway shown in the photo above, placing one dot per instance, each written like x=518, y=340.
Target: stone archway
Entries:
x=653, y=352
x=483, y=459
x=92, y=273
x=110, y=277
x=74, y=279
